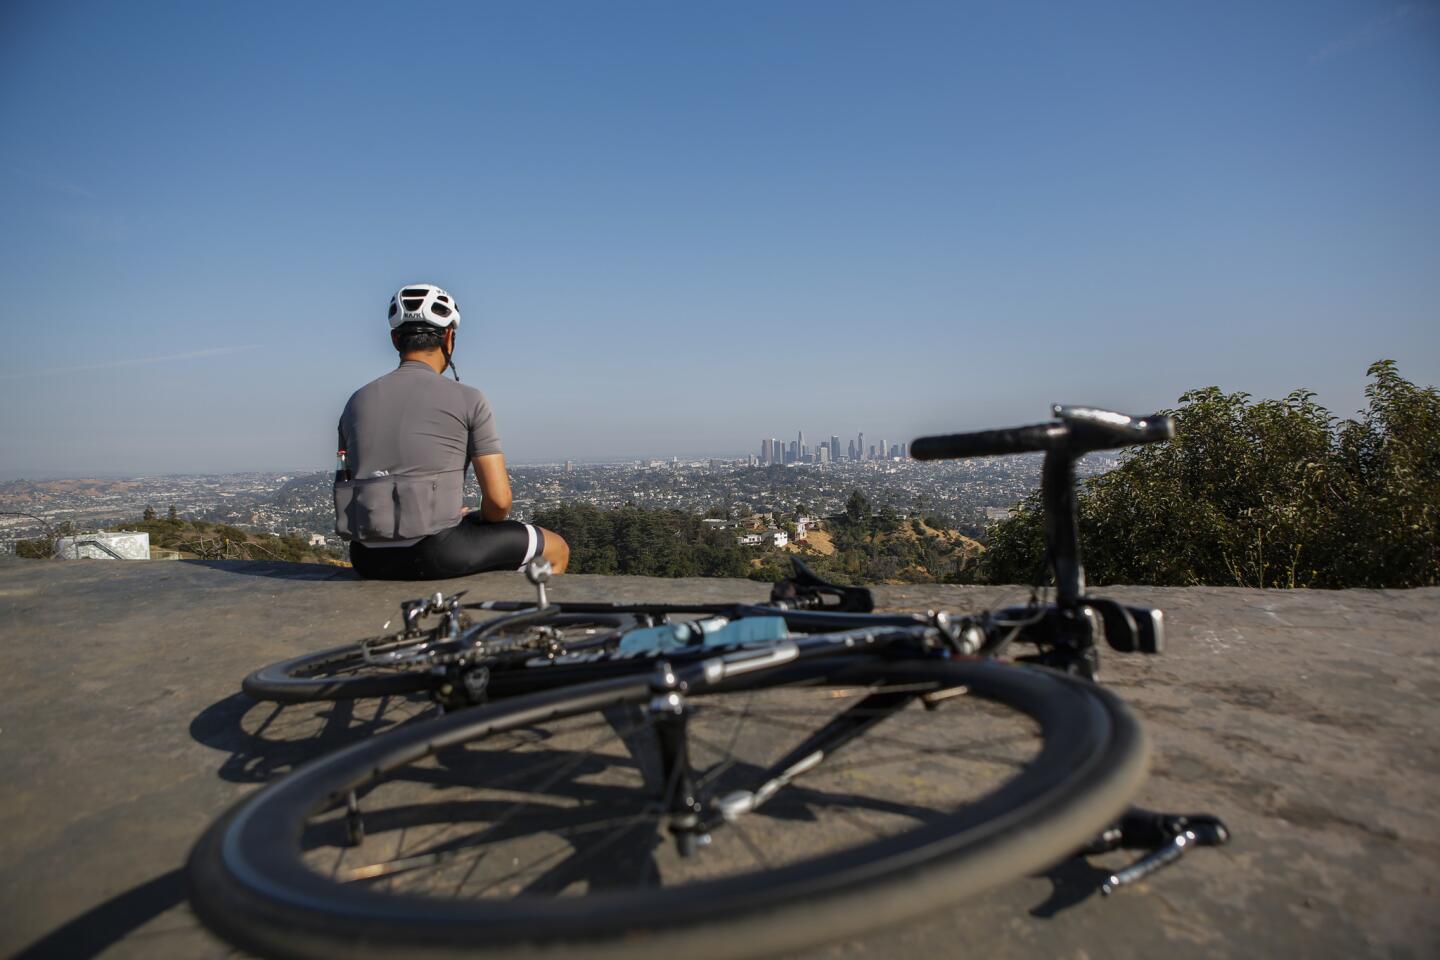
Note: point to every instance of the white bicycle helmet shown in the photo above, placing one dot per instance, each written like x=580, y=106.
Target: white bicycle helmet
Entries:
x=424, y=303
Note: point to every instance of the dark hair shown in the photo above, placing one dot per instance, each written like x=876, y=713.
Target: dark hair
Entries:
x=418, y=337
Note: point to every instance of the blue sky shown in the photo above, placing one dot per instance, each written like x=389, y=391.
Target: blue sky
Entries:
x=678, y=228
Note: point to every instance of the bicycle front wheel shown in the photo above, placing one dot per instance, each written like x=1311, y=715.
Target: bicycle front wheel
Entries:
x=540, y=825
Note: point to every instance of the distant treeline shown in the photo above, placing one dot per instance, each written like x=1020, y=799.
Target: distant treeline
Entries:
x=870, y=546
x=630, y=541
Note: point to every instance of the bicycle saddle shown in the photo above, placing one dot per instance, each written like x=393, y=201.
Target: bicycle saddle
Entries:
x=806, y=589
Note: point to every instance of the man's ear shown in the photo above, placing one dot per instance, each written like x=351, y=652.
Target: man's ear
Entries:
x=395, y=339
x=449, y=339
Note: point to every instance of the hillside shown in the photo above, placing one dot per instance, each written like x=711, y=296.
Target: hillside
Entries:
x=218, y=541
x=200, y=540
x=883, y=548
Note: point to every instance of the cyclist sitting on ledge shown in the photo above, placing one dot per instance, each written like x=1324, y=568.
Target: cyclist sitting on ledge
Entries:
x=405, y=440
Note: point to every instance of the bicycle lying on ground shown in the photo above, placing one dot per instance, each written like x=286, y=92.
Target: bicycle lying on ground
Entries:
x=701, y=780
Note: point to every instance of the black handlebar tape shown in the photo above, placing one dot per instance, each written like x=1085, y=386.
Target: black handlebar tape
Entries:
x=987, y=443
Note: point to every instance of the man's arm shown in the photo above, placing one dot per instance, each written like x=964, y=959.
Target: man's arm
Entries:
x=494, y=482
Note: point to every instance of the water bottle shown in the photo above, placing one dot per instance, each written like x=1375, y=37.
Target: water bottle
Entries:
x=342, y=469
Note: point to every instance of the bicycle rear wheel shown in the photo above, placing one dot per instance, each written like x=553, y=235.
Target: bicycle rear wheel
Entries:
x=346, y=673
x=535, y=827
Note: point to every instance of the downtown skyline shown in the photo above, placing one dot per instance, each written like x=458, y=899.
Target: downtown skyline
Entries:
x=775, y=451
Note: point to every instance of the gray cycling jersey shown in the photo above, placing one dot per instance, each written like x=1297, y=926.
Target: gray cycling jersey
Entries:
x=408, y=438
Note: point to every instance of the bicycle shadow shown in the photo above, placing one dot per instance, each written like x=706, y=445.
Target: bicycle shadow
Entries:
x=264, y=740
x=558, y=817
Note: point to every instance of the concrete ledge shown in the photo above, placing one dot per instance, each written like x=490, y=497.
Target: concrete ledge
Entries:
x=1307, y=720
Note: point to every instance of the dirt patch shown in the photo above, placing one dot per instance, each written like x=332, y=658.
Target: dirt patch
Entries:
x=817, y=540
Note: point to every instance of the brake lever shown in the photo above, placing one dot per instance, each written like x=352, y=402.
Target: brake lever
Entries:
x=1168, y=837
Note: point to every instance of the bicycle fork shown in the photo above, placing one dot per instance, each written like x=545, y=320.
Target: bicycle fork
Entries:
x=692, y=820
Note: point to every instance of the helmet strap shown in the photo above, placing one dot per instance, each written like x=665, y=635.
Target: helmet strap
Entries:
x=450, y=363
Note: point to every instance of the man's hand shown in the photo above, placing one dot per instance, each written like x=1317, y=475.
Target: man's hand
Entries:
x=494, y=482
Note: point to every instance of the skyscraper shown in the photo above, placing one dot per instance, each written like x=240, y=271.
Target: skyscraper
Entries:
x=860, y=446
x=767, y=450
x=834, y=447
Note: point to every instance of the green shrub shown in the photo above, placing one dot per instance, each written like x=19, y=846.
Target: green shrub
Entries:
x=1271, y=493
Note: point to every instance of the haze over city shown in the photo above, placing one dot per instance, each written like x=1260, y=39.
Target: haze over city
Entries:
x=674, y=230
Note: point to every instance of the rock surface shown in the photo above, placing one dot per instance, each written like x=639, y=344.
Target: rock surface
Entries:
x=1307, y=720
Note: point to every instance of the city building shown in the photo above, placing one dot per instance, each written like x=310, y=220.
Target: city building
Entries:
x=119, y=545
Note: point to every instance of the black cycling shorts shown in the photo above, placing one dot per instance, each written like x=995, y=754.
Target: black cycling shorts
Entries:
x=471, y=546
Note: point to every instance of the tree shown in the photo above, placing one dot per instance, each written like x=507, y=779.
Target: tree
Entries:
x=1270, y=493
x=172, y=516
x=150, y=515
x=857, y=508
x=43, y=548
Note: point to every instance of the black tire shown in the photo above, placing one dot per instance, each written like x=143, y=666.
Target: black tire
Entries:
x=248, y=881
x=341, y=673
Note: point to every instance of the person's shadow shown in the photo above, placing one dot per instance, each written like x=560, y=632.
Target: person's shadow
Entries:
x=100, y=927
x=278, y=569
